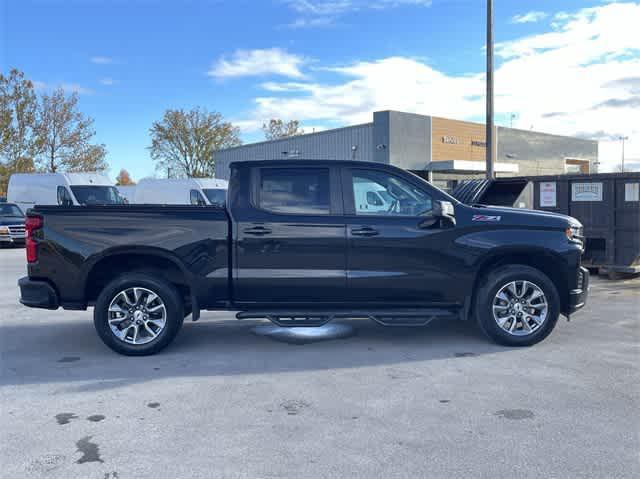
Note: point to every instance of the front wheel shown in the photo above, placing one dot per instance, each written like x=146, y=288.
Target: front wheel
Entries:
x=517, y=305
x=138, y=315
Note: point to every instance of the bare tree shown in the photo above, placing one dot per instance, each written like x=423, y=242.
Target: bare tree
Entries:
x=183, y=142
x=124, y=179
x=65, y=136
x=277, y=129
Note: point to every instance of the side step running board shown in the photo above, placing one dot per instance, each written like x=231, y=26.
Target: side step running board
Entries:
x=386, y=317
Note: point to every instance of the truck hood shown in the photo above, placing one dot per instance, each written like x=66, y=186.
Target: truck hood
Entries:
x=11, y=220
x=505, y=215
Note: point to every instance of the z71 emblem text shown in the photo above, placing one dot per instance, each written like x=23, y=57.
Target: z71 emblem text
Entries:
x=486, y=218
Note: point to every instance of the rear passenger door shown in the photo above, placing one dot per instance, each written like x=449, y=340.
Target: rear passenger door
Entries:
x=291, y=240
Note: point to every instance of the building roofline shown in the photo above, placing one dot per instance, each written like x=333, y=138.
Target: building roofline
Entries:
x=516, y=129
x=289, y=138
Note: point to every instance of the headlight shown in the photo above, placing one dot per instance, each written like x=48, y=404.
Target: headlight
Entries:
x=4, y=230
x=575, y=233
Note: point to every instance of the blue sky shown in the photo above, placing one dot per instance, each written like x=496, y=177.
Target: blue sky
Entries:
x=329, y=63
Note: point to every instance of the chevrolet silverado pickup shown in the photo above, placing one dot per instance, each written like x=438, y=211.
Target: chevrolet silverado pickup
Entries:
x=301, y=242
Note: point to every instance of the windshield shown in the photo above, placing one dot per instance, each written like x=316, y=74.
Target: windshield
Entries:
x=216, y=196
x=10, y=210
x=97, y=195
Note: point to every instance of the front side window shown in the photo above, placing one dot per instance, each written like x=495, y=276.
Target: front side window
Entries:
x=382, y=194
x=96, y=195
x=196, y=198
x=296, y=191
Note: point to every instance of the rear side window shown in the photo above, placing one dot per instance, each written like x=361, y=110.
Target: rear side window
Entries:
x=297, y=191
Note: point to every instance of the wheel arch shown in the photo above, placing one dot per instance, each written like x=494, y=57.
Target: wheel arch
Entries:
x=542, y=259
x=115, y=262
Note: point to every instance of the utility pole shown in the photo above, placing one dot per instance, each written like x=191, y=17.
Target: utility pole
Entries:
x=489, y=123
x=623, y=138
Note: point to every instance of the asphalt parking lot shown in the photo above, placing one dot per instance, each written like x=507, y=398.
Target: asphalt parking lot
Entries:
x=439, y=401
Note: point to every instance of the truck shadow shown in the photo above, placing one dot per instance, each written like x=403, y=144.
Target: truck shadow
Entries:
x=70, y=352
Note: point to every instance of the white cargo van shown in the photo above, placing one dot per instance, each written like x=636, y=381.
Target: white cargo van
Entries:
x=66, y=189
x=128, y=193
x=189, y=191
x=372, y=197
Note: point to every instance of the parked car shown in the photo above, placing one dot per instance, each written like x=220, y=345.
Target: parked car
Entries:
x=12, y=230
x=188, y=191
x=66, y=189
x=292, y=245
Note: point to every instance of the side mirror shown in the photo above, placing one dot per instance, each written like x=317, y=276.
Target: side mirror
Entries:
x=442, y=212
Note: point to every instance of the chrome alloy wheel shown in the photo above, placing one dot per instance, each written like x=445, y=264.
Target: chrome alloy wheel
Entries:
x=137, y=315
x=520, y=307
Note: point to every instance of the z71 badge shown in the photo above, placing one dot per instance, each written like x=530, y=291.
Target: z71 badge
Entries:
x=486, y=218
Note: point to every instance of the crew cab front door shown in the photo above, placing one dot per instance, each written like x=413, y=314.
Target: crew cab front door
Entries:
x=394, y=257
x=291, y=239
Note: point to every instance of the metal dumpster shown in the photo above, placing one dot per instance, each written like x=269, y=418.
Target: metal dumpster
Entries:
x=607, y=204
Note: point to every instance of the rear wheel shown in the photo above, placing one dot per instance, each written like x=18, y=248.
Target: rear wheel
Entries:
x=517, y=305
x=138, y=314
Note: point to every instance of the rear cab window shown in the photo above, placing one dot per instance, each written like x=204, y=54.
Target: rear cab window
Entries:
x=295, y=191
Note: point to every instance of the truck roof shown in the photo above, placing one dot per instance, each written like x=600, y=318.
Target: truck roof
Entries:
x=302, y=162
x=188, y=182
x=90, y=178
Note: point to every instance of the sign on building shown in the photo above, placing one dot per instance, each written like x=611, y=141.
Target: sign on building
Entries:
x=548, y=194
x=586, y=191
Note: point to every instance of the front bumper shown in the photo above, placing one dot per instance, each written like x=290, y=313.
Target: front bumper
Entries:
x=578, y=296
x=9, y=239
x=12, y=234
x=37, y=294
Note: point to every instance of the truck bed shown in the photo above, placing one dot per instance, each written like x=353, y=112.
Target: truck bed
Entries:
x=74, y=240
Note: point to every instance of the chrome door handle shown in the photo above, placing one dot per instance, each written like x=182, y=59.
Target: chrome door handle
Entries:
x=257, y=231
x=365, y=231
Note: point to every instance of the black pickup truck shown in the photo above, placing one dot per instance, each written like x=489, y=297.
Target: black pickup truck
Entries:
x=301, y=242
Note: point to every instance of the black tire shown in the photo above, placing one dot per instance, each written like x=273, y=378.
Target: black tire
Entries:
x=167, y=293
x=491, y=285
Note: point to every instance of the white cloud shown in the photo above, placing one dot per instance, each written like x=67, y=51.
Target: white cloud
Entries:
x=67, y=87
x=337, y=7
x=319, y=13
x=108, y=81
x=99, y=60
x=302, y=22
x=273, y=61
x=581, y=78
x=529, y=17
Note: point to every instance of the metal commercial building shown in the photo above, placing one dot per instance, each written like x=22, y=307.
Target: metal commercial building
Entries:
x=447, y=149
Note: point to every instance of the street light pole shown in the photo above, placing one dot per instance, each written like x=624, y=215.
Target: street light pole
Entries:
x=489, y=122
x=623, y=138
